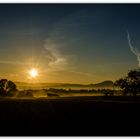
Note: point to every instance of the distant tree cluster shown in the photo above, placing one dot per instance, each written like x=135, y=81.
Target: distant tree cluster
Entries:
x=7, y=87
x=26, y=93
x=104, y=91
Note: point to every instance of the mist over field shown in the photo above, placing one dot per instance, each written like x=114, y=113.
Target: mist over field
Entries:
x=104, y=84
x=63, y=89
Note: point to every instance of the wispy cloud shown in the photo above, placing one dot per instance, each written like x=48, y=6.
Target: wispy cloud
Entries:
x=57, y=61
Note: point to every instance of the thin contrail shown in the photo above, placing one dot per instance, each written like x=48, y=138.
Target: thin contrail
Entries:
x=133, y=49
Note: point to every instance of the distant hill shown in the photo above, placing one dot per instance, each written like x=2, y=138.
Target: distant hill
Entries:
x=104, y=84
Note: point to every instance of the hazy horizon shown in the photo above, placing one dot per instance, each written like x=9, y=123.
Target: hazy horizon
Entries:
x=37, y=82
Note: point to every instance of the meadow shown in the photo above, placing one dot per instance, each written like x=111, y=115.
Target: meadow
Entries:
x=69, y=116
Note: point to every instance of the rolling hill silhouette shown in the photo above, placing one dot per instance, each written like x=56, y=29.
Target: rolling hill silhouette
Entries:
x=104, y=84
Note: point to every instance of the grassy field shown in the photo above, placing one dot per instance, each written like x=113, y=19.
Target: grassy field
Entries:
x=75, y=116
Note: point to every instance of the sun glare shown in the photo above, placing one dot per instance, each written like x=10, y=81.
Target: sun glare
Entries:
x=33, y=73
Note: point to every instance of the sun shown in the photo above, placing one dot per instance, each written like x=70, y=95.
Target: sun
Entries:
x=33, y=73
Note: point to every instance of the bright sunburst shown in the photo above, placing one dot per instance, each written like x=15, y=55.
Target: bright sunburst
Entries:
x=33, y=73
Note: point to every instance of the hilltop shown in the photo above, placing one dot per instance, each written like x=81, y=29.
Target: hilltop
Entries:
x=104, y=84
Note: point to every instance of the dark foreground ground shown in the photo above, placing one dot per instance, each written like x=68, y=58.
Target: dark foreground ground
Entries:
x=88, y=116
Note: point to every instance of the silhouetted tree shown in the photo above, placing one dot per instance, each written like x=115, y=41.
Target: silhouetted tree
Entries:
x=131, y=83
x=7, y=87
